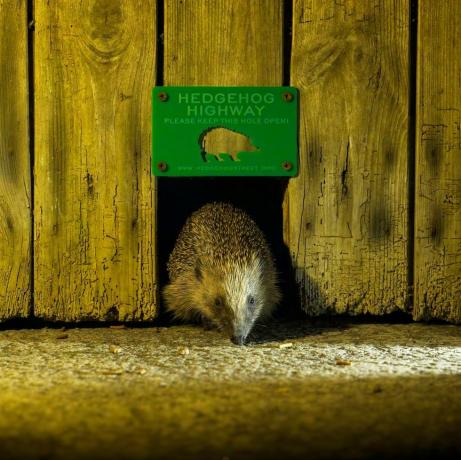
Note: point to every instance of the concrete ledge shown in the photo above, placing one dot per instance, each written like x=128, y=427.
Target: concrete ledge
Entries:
x=297, y=391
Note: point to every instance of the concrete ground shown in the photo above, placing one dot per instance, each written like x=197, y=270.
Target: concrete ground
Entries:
x=319, y=390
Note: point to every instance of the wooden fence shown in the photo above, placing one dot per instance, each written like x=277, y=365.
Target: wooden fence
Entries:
x=373, y=221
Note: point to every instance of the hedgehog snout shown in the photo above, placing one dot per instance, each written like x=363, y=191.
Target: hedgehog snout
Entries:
x=238, y=339
x=240, y=334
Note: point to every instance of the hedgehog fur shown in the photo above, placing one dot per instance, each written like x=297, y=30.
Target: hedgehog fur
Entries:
x=221, y=271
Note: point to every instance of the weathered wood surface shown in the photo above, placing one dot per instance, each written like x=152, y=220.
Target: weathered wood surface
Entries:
x=218, y=42
x=15, y=206
x=95, y=66
x=438, y=163
x=347, y=210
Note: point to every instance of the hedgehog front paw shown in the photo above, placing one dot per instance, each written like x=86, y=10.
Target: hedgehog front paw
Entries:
x=207, y=324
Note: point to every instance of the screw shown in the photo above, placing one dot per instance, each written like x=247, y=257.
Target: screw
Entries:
x=287, y=165
x=162, y=166
x=163, y=96
x=287, y=97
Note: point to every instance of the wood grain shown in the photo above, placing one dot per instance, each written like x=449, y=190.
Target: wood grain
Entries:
x=94, y=195
x=15, y=206
x=438, y=163
x=221, y=42
x=347, y=210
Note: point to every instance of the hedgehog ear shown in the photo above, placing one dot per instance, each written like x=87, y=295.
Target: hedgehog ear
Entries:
x=198, y=270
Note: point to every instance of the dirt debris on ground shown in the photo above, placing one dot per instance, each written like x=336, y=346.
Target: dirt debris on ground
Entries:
x=340, y=390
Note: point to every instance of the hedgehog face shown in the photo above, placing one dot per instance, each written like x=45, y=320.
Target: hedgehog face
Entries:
x=232, y=299
x=244, y=293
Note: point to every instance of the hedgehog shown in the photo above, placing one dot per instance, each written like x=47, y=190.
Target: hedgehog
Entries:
x=222, y=272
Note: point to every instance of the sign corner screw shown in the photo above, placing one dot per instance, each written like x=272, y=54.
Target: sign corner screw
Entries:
x=287, y=165
x=162, y=166
x=163, y=96
x=287, y=96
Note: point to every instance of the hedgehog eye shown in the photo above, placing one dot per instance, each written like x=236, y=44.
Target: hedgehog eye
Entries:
x=251, y=300
x=218, y=302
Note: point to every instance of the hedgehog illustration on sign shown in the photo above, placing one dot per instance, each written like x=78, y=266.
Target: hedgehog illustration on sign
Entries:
x=218, y=140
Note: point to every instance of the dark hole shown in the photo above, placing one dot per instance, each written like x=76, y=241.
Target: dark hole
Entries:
x=261, y=198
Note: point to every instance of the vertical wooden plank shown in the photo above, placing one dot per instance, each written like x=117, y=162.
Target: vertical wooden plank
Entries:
x=221, y=42
x=94, y=194
x=15, y=212
x=347, y=210
x=438, y=163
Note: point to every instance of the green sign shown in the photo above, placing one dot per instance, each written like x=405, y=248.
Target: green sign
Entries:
x=225, y=131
